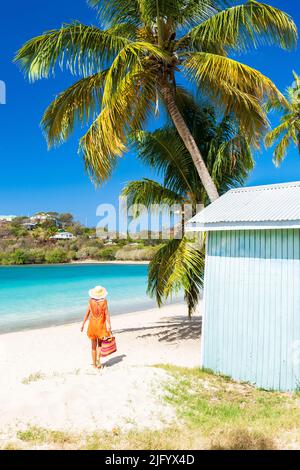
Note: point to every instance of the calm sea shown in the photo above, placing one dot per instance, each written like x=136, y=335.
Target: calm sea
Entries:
x=34, y=296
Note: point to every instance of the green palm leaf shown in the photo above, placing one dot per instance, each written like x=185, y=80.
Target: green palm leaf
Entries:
x=78, y=104
x=131, y=56
x=113, y=12
x=107, y=137
x=276, y=133
x=165, y=151
x=239, y=88
x=253, y=23
x=288, y=131
x=177, y=265
x=75, y=46
x=148, y=192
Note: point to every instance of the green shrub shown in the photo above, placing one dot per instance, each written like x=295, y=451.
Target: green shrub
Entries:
x=36, y=255
x=71, y=255
x=107, y=254
x=19, y=256
x=135, y=253
x=57, y=255
x=19, y=231
x=86, y=252
x=4, y=258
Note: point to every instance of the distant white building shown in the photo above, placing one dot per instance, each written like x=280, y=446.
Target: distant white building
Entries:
x=63, y=236
x=7, y=218
x=41, y=217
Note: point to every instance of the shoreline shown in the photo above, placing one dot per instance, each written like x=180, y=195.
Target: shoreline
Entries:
x=74, y=262
x=77, y=322
x=117, y=317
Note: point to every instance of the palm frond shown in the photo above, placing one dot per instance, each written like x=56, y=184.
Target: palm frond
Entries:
x=113, y=12
x=253, y=23
x=229, y=159
x=164, y=151
x=78, y=104
x=77, y=47
x=231, y=163
x=276, y=133
x=288, y=131
x=177, y=265
x=224, y=147
x=181, y=12
x=148, y=192
x=130, y=57
x=192, y=12
x=281, y=149
x=177, y=12
x=107, y=137
x=237, y=87
x=283, y=135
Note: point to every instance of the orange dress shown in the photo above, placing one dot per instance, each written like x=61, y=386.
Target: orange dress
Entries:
x=97, y=328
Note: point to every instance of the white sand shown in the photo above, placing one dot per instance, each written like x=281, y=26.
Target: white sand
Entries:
x=71, y=395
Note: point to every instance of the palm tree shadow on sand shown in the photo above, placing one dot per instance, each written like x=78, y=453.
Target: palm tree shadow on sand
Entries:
x=180, y=327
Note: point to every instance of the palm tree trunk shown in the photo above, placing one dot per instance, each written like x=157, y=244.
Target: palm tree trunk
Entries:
x=189, y=142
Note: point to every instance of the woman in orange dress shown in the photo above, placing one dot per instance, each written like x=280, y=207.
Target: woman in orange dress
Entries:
x=99, y=324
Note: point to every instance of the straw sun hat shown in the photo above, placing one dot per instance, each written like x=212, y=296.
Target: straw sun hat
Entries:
x=98, y=293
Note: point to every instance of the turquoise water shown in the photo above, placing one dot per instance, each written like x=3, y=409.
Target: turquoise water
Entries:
x=34, y=296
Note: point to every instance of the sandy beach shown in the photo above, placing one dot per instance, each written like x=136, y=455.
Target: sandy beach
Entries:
x=46, y=377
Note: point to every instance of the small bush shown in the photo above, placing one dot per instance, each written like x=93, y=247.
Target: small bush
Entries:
x=135, y=254
x=19, y=256
x=57, y=255
x=72, y=255
x=36, y=255
x=86, y=252
x=4, y=258
x=107, y=254
x=242, y=439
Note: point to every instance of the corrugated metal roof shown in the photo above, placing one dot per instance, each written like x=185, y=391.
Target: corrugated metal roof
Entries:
x=253, y=207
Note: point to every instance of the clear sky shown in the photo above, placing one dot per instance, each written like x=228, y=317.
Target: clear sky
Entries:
x=33, y=178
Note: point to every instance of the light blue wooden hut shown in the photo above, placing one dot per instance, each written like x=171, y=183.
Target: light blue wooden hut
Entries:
x=251, y=311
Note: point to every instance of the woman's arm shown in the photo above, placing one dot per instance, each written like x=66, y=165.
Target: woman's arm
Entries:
x=108, y=324
x=86, y=316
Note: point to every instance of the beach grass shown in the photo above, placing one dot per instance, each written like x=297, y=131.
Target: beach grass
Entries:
x=213, y=412
x=38, y=435
x=233, y=415
x=33, y=378
x=169, y=438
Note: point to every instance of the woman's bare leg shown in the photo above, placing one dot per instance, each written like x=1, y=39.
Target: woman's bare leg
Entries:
x=94, y=352
x=99, y=353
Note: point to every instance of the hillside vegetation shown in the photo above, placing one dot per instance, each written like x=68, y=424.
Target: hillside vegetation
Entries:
x=20, y=244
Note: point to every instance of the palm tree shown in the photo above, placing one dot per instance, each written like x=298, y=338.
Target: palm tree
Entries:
x=288, y=131
x=135, y=59
x=179, y=263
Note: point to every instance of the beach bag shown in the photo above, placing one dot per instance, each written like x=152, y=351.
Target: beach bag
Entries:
x=108, y=346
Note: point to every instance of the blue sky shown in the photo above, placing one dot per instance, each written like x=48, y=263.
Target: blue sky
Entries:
x=33, y=178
